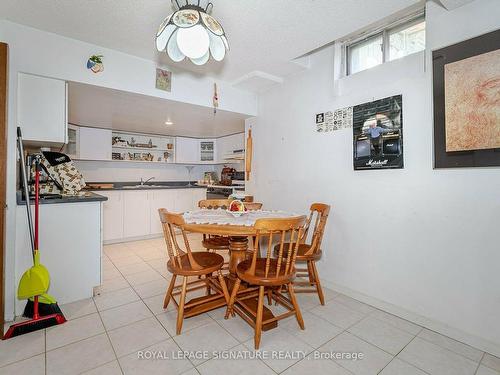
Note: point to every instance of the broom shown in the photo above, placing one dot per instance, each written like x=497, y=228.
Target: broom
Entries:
x=36, y=278
x=47, y=304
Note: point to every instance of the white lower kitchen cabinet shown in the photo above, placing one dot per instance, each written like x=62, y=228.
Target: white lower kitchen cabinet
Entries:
x=198, y=195
x=136, y=213
x=184, y=200
x=112, y=215
x=160, y=199
x=130, y=215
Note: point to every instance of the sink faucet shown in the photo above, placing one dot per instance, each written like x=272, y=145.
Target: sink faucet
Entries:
x=145, y=182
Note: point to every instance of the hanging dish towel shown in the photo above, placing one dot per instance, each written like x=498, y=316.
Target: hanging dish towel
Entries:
x=63, y=170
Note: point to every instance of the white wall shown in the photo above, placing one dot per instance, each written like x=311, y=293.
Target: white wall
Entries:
x=419, y=242
x=95, y=171
x=37, y=52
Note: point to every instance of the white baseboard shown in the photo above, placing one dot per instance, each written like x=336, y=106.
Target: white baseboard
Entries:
x=440, y=327
x=130, y=239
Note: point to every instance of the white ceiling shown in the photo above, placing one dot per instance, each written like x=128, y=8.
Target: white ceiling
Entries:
x=107, y=108
x=264, y=35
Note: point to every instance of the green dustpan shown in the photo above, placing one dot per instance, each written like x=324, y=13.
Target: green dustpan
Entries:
x=35, y=281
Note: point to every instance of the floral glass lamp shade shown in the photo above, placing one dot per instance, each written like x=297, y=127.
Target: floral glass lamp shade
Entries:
x=191, y=32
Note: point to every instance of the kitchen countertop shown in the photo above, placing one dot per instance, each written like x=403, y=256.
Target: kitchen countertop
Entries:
x=87, y=197
x=152, y=185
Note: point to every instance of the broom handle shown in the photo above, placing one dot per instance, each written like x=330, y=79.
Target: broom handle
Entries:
x=37, y=201
x=26, y=191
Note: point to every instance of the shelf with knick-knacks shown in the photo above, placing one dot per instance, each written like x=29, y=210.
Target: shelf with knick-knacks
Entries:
x=137, y=147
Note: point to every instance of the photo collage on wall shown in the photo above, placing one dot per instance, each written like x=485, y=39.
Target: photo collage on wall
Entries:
x=378, y=134
x=334, y=120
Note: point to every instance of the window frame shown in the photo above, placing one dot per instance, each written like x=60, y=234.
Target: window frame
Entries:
x=361, y=41
x=385, y=32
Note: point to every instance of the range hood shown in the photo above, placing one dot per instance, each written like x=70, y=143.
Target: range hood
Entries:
x=235, y=155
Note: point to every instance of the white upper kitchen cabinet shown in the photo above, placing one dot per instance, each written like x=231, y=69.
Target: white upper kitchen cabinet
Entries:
x=136, y=214
x=208, y=151
x=94, y=144
x=187, y=150
x=112, y=215
x=42, y=105
x=226, y=147
x=160, y=199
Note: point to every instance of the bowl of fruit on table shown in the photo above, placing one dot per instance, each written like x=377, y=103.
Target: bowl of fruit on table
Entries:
x=236, y=208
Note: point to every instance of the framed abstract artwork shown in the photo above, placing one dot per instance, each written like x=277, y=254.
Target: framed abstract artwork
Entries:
x=466, y=79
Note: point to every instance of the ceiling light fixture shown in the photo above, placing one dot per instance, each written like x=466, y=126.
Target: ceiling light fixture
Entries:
x=192, y=32
x=168, y=123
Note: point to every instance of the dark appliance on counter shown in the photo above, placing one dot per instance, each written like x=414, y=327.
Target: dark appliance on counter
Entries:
x=226, y=177
x=219, y=192
x=238, y=181
x=238, y=176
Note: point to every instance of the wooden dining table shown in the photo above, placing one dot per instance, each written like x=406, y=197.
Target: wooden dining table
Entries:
x=240, y=230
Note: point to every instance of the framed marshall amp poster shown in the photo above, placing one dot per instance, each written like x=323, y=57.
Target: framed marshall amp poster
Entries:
x=378, y=134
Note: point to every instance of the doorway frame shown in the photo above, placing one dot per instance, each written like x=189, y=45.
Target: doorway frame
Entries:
x=4, y=58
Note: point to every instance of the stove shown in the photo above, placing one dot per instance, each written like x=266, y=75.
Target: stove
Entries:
x=219, y=192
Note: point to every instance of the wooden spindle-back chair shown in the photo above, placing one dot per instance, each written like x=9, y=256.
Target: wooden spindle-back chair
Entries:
x=310, y=253
x=215, y=243
x=214, y=203
x=185, y=263
x=268, y=273
x=253, y=206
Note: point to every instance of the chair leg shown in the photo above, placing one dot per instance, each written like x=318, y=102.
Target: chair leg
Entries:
x=310, y=272
x=280, y=289
x=180, y=312
x=229, y=310
x=169, y=292
x=222, y=282
x=296, y=307
x=318, y=283
x=269, y=296
x=207, y=278
x=258, y=321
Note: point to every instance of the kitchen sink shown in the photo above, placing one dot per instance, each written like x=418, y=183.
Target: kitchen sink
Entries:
x=142, y=186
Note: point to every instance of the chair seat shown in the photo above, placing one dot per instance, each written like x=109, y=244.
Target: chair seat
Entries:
x=260, y=268
x=210, y=262
x=216, y=243
x=301, y=252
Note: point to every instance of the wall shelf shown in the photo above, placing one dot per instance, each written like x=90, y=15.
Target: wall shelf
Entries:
x=143, y=148
x=164, y=150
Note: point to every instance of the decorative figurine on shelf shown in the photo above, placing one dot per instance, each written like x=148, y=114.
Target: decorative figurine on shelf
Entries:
x=95, y=63
x=119, y=142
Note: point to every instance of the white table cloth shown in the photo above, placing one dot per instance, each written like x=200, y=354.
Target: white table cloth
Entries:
x=221, y=217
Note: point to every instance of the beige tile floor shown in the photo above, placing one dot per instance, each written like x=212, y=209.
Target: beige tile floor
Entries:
x=106, y=334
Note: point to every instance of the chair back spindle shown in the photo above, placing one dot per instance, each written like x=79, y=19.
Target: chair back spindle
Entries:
x=267, y=231
x=170, y=223
x=320, y=212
